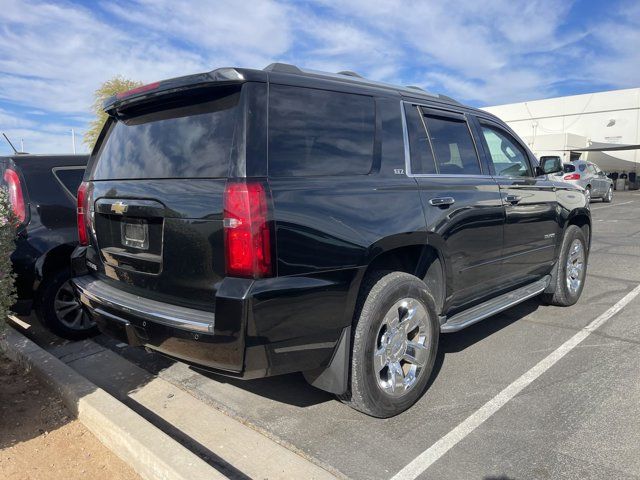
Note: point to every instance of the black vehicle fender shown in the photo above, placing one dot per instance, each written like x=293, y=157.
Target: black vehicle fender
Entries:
x=50, y=262
x=428, y=265
x=580, y=216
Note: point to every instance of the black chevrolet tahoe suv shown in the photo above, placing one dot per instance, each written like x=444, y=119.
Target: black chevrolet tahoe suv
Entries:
x=42, y=191
x=261, y=222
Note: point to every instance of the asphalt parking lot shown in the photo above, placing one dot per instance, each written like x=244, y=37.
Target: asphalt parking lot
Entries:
x=577, y=418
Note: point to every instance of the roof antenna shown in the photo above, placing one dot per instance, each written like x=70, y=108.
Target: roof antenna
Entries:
x=7, y=139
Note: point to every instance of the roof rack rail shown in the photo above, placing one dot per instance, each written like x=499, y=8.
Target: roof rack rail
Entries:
x=293, y=69
x=350, y=73
x=448, y=98
x=282, y=67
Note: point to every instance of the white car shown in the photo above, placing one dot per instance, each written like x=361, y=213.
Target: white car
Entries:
x=589, y=176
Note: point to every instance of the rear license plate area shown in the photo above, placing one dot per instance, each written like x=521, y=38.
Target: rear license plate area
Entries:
x=132, y=240
x=134, y=233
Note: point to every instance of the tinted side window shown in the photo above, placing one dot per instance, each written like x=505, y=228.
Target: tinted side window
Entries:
x=421, y=154
x=509, y=159
x=70, y=178
x=452, y=146
x=317, y=132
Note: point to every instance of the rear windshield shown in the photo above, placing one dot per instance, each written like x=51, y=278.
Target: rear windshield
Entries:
x=188, y=141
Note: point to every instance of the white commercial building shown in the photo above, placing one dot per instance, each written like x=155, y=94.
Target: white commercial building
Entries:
x=603, y=120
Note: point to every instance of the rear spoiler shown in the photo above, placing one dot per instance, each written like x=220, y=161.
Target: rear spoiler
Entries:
x=219, y=77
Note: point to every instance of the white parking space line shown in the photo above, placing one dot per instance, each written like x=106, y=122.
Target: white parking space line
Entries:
x=442, y=446
x=612, y=205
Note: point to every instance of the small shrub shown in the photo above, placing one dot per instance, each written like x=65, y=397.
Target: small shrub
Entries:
x=7, y=246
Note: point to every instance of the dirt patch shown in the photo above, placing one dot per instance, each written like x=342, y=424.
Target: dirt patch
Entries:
x=40, y=440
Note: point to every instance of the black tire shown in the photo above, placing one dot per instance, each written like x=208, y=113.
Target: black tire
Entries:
x=608, y=196
x=559, y=292
x=53, y=286
x=379, y=295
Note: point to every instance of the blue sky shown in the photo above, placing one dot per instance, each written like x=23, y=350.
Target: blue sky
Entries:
x=54, y=55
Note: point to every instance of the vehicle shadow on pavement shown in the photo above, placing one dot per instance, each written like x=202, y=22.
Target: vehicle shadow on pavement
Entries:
x=291, y=389
x=457, y=342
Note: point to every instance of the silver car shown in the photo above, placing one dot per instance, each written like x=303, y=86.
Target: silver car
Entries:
x=587, y=175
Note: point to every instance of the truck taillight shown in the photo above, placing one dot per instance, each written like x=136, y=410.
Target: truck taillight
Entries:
x=16, y=198
x=247, y=237
x=82, y=214
x=572, y=176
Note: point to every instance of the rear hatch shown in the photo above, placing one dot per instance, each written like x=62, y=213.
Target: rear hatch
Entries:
x=156, y=184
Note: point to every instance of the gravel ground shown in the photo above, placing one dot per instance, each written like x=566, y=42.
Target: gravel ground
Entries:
x=40, y=440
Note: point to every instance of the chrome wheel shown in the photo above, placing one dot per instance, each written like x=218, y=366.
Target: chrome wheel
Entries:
x=402, y=347
x=575, y=266
x=609, y=194
x=587, y=194
x=68, y=309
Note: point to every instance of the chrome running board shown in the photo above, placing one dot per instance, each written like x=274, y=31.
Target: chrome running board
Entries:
x=495, y=305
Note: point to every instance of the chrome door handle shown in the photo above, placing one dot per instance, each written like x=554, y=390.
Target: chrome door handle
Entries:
x=512, y=199
x=442, y=201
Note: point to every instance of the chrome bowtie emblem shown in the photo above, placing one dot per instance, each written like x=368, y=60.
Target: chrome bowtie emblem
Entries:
x=119, y=208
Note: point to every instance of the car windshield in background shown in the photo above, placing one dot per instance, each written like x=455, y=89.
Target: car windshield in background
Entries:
x=193, y=141
x=569, y=168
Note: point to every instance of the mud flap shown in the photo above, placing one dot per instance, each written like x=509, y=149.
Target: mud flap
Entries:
x=334, y=377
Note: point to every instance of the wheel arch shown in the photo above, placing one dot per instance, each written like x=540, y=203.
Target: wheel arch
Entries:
x=582, y=219
x=50, y=262
x=425, y=260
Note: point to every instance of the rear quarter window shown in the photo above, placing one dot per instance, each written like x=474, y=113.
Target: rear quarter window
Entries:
x=70, y=178
x=316, y=132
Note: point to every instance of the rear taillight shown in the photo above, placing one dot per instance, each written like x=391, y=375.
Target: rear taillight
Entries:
x=247, y=237
x=572, y=176
x=83, y=234
x=16, y=198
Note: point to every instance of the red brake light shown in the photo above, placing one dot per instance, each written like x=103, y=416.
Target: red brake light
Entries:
x=572, y=176
x=16, y=198
x=82, y=212
x=135, y=91
x=247, y=237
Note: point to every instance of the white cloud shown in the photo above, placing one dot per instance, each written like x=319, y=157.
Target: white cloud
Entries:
x=620, y=39
x=54, y=55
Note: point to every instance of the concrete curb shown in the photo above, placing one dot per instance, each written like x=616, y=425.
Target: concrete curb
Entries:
x=150, y=452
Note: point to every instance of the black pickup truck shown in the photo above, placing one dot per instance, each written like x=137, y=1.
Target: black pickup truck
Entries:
x=261, y=222
x=42, y=190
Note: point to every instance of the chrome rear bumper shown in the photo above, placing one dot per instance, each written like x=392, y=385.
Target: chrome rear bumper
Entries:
x=94, y=294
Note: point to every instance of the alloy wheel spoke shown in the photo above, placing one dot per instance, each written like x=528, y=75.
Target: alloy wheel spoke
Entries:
x=396, y=377
x=77, y=319
x=391, y=319
x=64, y=303
x=379, y=359
x=66, y=310
x=412, y=320
x=416, y=354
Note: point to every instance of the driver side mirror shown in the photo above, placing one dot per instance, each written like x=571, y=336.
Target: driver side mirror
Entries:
x=550, y=165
